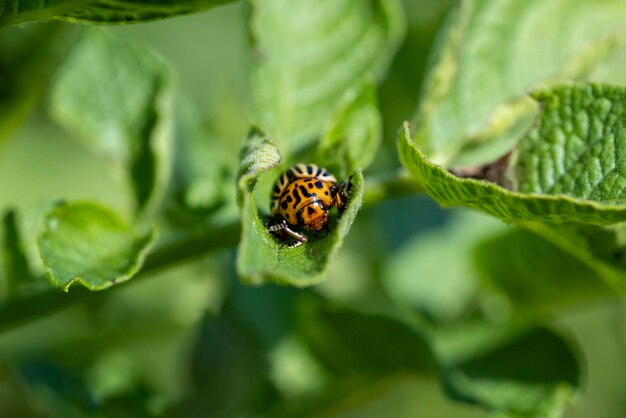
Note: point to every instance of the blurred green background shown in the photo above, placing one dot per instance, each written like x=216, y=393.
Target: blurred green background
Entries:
x=143, y=344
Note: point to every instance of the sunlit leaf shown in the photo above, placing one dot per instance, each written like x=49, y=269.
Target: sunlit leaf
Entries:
x=487, y=59
x=577, y=147
x=88, y=244
x=581, y=190
x=122, y=107
x=309, y=53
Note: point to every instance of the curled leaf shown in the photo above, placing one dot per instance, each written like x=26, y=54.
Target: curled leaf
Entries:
x=262, y=257
x=88, y=244
x=567, y=169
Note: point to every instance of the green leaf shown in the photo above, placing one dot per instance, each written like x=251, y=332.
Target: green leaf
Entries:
x=310, y=53
x=100, y=11
x=20, y=263
x=88, y=244
x=555, y=139
x=352, y=343
x=122, y=107
x=262, y=257
x=608, y=69
x=352, y=137
x=483, y=68
x=530, y=375
x=577, y=148
x=534, y=275
x=259, y=154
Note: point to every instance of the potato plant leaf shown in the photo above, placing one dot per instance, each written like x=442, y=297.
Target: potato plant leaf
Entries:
x=578, y=147
x=99, y=11
x=122, y=107
x=530, y=375
x=88, y=244
x=262, y=257
x=567, y=111
x=483, y=68
x=309, y=53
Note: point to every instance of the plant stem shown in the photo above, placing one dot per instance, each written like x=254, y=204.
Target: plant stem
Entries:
x=25, y=309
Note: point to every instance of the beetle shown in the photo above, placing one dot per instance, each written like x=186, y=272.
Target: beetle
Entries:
x=301, y=198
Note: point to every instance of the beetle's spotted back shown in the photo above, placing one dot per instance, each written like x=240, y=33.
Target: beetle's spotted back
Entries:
x=298, y=171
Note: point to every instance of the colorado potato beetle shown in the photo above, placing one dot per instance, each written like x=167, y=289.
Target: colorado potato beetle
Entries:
x=302, y=198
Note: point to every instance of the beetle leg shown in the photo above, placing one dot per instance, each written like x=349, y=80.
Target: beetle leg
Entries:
x=294, y=244
x=279, y=226
x=300, y=238
x=345, y=188
x=342, y=196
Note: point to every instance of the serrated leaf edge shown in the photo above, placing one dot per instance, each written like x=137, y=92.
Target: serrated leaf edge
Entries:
x=147, y=239
x=406, y=142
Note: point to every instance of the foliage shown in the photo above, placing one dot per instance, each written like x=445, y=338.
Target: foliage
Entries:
x=99, y=11
x=87, y=244
x=261, y=257
x=520, y=115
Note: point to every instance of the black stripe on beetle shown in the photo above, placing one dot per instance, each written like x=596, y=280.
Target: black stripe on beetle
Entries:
x=305, y=193
x=297, y=198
